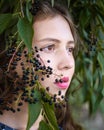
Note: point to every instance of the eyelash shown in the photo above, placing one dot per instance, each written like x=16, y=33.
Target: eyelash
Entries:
x=49, y=48
x=71, y=50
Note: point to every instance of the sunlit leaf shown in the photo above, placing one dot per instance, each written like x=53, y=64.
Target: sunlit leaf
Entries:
x=49, y=110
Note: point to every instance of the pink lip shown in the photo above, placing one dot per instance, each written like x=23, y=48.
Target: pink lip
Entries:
x=64, y=83
x=65, y=79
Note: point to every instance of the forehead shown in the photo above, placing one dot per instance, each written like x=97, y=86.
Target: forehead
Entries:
x=52, y=27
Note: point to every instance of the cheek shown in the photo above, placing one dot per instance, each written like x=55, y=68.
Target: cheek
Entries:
x=47, y=60
x=73, y=62
x=73, y=70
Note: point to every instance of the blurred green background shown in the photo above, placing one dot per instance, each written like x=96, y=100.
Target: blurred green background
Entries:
x=89, y=77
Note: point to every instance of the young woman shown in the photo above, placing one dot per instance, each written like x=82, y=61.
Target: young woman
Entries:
x=54, y=44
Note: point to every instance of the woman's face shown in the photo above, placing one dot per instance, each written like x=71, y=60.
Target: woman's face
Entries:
x=54, y=37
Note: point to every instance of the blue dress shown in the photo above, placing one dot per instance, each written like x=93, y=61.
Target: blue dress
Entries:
x=5, y=127
x=60, y=128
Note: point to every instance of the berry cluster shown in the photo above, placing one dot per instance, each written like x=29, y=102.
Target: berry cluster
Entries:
x=24, y=85
x=92, y=45
x=35, y=7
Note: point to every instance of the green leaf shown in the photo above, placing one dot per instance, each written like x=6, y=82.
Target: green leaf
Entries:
x=88, y=71
x=33, y=111
x=26, y=32
x=29, y=15
x=100, y=58
x=103, y=92
x=85, y=34
x=92, y=101
x=85, y=16
x=68, y=3
x=96, y=105
x=4, y=21
x=44, y=126
x=52, y=2
x=101, y=20
x=49, y=111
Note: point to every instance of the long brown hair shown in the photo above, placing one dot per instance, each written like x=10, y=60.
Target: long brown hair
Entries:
x=65, y=119
x=7, y=87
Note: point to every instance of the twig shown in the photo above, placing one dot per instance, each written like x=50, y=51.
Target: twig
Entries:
x=76, y=89
x=14, y=55
x=78, y=79
x=2, y=53
x=21, y=8
x=32, y=1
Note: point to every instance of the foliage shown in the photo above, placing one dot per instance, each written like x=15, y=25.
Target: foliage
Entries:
x=16, y=22
x=89, y=18
x=36, y=108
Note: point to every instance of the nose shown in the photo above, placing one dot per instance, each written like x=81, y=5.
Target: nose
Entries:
x=65, y=61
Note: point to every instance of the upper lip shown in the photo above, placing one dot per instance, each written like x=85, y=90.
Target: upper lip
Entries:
x=61, y=80
x=65, y=79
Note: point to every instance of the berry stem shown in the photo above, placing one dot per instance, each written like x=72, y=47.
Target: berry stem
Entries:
x=18, y=99
x=41, y=60
x=14, y=55
x=58, y=75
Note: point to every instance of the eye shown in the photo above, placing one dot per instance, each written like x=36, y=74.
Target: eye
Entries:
x=49, y=48
x=70, y=50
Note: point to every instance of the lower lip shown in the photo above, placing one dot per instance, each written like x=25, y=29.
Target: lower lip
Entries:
x=63, y=85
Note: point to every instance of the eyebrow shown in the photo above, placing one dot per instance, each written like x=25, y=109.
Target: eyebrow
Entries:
x=54, y=40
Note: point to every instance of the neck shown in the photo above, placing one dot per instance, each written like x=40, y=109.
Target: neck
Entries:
x=18, y=120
